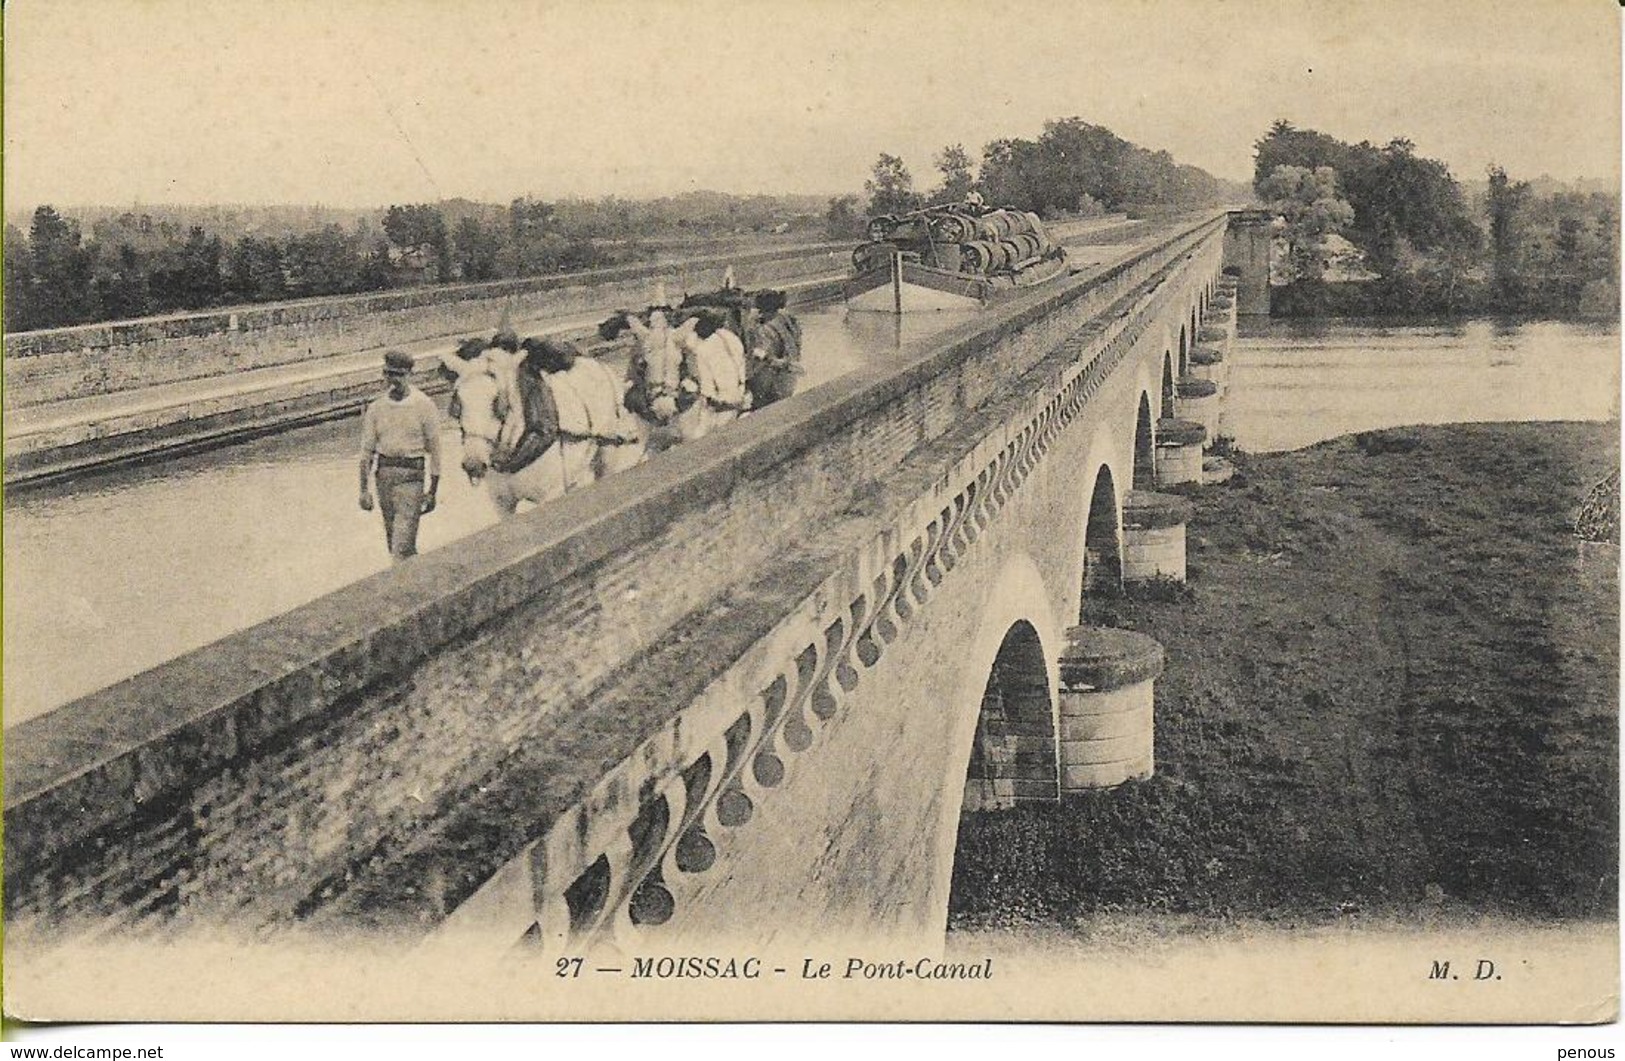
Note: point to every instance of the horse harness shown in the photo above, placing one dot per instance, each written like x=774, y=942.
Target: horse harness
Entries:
x=560, y=383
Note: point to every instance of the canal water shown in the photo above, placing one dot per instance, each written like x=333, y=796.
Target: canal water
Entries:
x=119, y=571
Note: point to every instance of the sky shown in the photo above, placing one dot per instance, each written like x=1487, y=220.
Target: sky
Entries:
x=365, y=103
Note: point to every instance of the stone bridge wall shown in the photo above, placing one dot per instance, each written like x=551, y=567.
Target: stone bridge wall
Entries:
x=556, y=698
x=57, y=363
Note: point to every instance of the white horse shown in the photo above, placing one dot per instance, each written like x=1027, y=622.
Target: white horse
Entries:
x=595, y=435
x=683, y=384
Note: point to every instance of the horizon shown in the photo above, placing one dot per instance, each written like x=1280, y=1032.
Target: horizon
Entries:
x=371, y=108
x=67, y=209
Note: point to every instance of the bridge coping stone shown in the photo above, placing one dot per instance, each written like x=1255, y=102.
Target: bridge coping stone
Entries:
x=1150, y=510
x=1174, y=432
x=1103, y=658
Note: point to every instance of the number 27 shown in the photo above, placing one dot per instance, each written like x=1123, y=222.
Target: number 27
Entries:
x=569, y=968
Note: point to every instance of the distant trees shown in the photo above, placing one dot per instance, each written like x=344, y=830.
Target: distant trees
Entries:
x=958, y=175
x=891, y=187
x=316, y=263
x=187, y=258
x=841, y=220
x=477, y=250
x=1556, y=252
x=1016, y=173
x=1073, y=168
x=1503, y=202
x=1403, y=204
x=1076, y=167
x=1512, y=250
x=1313, y=210
x=254, y=270
x=57, y=273
x=420, y=233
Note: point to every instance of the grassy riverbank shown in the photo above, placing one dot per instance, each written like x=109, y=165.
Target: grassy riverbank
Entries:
x=1391, y=695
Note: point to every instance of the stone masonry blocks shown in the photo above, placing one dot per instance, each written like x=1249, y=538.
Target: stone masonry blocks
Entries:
x=1107, y=723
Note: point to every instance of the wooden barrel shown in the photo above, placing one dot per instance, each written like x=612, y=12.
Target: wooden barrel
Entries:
x=1012, y=251
x=954, y=228
x=977, y=256
x=1003, y=222
x=1019, y=224
x=880, y=228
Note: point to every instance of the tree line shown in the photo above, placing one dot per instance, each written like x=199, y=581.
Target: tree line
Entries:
x=1073, y=168
x=63, y=271
x=1422, y=242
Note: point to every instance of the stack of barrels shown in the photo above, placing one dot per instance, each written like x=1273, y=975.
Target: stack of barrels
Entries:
x=960, y=241
x=994, y=242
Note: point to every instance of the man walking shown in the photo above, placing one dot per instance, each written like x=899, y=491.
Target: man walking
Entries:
x=400, y=433
x=775, y=356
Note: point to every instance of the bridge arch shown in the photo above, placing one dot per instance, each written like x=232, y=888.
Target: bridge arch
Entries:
x=1013, y=752
x=1165, y=408
x=1017, y=623
x=1144, y=476
x=1102, y=539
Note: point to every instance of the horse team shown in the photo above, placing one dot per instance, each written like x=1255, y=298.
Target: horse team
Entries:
x=540, y=418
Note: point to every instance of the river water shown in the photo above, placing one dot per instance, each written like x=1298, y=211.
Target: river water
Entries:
x=1294, y=383
x=119, y=571
x=122, y=570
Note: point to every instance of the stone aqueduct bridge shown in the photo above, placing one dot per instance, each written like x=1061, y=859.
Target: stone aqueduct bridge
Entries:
x=747, y=692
